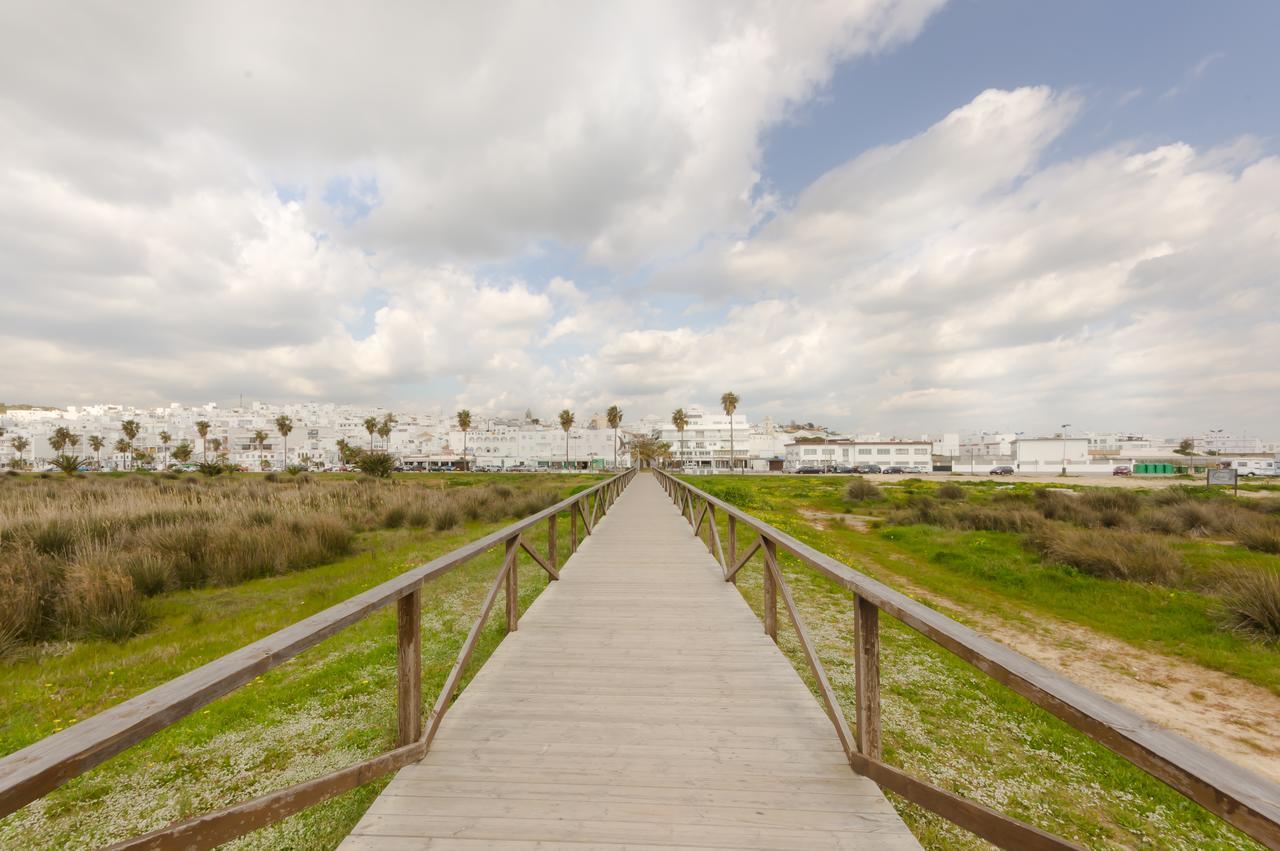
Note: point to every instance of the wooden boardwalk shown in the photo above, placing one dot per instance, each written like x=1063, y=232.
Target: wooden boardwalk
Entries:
x=639, y=705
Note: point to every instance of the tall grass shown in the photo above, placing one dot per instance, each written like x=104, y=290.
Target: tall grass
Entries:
x=1250, y=604
x=1112, y=554
x=78, y=556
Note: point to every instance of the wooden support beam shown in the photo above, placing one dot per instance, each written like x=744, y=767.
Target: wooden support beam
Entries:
x=513, y=589
x=552, y=555
x=770, y=590
x=586, y=521
x=733, y=541
x=746, y=557
x=409, y=668
x=537, y=556
x=573, y=530
x=697, y=526
x=815, y=664
x=867, y=676
x=715, y=539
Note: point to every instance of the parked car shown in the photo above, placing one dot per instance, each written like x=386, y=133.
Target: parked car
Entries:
x=842, y=468
x=1122, y=470
x=1001, y=471
x=894, y=470
x=808, y=470
x=867, y=468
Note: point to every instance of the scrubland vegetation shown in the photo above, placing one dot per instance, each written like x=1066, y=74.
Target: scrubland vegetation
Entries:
x=79, y=556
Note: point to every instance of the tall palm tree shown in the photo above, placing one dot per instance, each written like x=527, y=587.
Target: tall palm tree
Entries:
x=464, y=426
x=182, y=452
x=96, y=443
x=566, y=423
x=284, y=425
x=371, y=426
x=58, y=440
x=217, y=446
x=680, y=420
x=131, y=430
x=384, y=431
x=73, y=440
x=260, y=438
x=19, y=444
x=165, y=437
x=202, y=429
x=729, y=401
x=614, y=416
x=122, y=448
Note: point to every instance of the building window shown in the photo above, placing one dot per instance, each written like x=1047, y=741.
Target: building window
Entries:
x=811, y=452
x=882, y=451
x=864, y=451
x=922, y=451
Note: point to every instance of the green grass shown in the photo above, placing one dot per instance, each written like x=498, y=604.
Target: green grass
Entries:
x=329, y=707
x=946, y=722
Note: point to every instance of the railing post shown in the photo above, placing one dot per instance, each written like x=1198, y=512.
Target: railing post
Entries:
x=867, y=677
x=513, y=590
x=409, y=667
x=551, y=540
x=770, y=590
x=733, y=541
x=573, y=529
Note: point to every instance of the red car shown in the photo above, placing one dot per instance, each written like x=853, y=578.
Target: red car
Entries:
x=1122, y=471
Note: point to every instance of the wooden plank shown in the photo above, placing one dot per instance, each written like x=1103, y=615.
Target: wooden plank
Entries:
x=867, y=676
x=552, y=555
x=512, y=584
x=834, y=712
x=1241, y=797
x=40, y=767
x=537, y=556
x=770, y=589
x=746, y=557
x=409, y=668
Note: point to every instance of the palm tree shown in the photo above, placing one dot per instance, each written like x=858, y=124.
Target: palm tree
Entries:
x=217, y=446
x=566, y=423
x=284, y=425
x=131, y=430
x=614, y=416
x=464, y=425
x=165, y=437
x=680, y=419
x=96, y=443
x=122, y=448
x=729, y=401
x=182, y=452
x=59, y=438
x=384, y=431
x=19, y=444
x=260, y=438
x=73, y=440
x=371, y=425
x=202, y=429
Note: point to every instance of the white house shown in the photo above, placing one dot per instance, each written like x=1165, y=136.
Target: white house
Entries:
x=1052, y=455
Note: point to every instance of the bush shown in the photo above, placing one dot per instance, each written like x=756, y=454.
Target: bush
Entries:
x=211, y=468
x=950, y=491
x=1250, y=604
x=99, y=600
x=380, y=465
x=978, y=518
x=1263, y=537
x=861, y=490
x=1132, y=556
x=1103, y=500
x=1067, y=509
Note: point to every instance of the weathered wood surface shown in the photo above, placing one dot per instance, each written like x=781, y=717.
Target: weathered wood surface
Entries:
x=639, y=705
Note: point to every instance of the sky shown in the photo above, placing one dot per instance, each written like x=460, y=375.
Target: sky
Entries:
x=896, y=217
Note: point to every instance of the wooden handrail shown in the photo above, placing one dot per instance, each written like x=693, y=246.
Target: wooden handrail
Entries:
x=1240, y=797
x=37, y=769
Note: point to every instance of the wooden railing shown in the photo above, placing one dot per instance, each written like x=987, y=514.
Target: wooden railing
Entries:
x=1246, y=800
x=39, y=768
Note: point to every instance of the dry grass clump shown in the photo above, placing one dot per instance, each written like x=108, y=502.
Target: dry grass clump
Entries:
x=984, y=518
x=950, y=491
x=1113, y=554
x=1263, y=537
x=1250, y=604
x=78, y=556
x=861, y=490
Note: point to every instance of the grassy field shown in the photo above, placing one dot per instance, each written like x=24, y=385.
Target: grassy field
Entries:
x=948, y=723
x=331, y=706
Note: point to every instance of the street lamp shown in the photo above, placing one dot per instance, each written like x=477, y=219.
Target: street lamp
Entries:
x=1065, y=426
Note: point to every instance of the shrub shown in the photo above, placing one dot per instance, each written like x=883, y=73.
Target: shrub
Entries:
x=950, y=491
x=1263, y=537
x=861, y=490
x=1250, y=604
x=444, y=517
x=1115, y=500
x=978, y=518
x=1068, y=509
x=395, y=517
x=295, y=469
x=272, y=477
x=211, y=468
x=1132, y=556
x=99, y=600
x=380, y=465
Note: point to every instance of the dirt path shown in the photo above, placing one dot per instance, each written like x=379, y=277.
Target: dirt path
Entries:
x=1225, y=714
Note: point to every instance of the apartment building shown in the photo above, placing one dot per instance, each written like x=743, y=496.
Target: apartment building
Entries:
x=840, y=451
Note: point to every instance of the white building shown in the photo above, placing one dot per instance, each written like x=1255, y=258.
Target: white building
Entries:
x=840, y=451
x=705, y=441
x=1221, y=442
x=1052, y=455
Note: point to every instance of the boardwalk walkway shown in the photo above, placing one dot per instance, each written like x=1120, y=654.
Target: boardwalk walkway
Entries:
x=639, y=704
